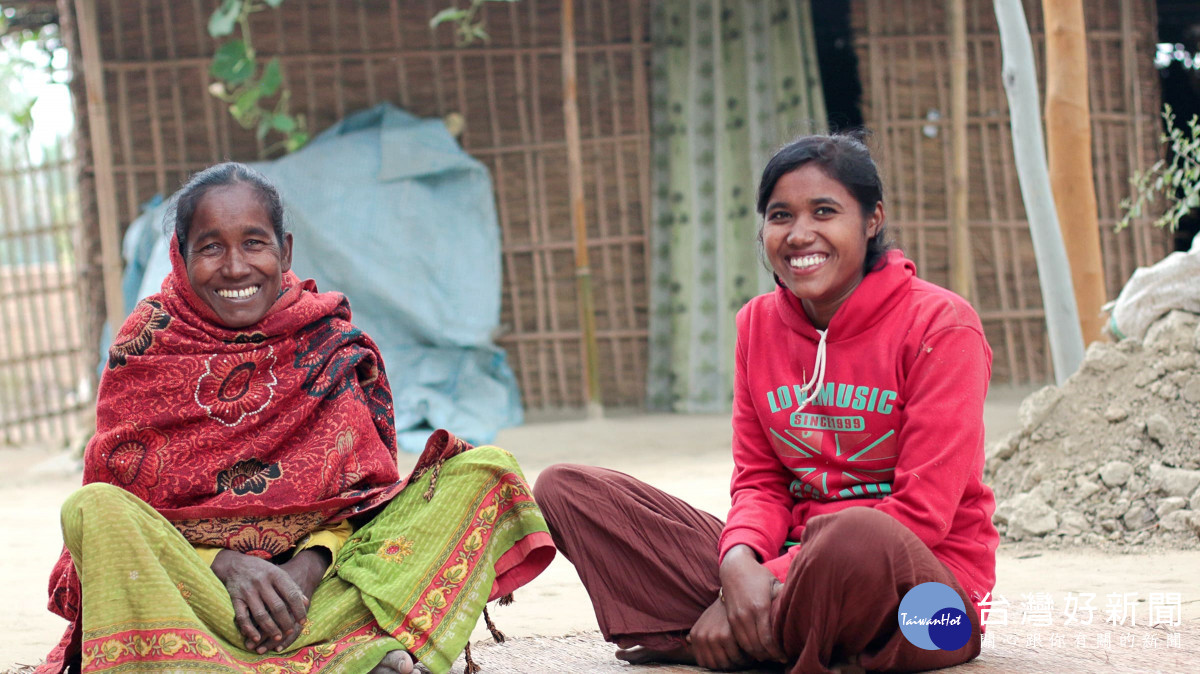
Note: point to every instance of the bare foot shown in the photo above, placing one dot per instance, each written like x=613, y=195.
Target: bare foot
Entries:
x=396, y=662
x=640, y=655
x=848, y=666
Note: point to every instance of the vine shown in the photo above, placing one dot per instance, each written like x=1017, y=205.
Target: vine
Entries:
x=1178, y=179
x=468, y=26
x=235, y=67
x=248, y=93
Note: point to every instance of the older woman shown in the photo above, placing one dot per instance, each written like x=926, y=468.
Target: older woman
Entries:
x=243, y=510
x=858, y=461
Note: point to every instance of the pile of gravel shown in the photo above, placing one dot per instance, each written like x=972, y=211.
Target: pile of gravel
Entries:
x=1114, y=453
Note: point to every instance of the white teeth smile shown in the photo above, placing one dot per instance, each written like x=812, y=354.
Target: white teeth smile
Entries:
x=238, y=294
x=807, y=261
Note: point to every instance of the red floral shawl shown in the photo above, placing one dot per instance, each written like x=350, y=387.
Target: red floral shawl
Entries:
x=244, y=439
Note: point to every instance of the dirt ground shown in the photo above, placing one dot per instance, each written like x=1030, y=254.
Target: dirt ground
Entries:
x=685, y=455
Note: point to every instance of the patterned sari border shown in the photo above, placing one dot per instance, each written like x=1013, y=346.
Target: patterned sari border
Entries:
x=140, y=649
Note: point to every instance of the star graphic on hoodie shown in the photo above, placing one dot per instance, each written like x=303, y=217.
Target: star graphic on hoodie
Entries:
x=831, y=465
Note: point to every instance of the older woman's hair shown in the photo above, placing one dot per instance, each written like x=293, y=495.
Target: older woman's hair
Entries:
x=844, y=158
x=220, y=175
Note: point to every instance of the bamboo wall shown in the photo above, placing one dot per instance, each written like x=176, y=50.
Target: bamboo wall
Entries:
x=46, y=375
x=904, y=63
x=339, y=57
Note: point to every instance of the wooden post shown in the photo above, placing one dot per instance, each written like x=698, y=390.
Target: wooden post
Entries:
x=1069, y=150
x=102, y=163
x=583, y=272
x=962, y=267
x=1020, y=83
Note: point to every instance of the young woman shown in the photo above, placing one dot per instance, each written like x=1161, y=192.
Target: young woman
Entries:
x=242, y=508
x=858, y=458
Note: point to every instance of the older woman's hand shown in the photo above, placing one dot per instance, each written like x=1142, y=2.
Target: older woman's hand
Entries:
x=269, y=606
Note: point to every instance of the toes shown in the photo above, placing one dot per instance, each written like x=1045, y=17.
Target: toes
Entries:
x=395, y=662
x=629, y=654
x=640, y=655
x=399, y=661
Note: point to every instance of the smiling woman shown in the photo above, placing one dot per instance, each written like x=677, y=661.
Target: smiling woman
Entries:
x=823, y=225
x=229, y=225
x=815, y=238
x=853, y=481
x=242, y=498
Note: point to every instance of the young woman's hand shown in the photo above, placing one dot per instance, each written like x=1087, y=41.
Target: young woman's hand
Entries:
x=712, y=642
x=269, y=606
x=748, y=589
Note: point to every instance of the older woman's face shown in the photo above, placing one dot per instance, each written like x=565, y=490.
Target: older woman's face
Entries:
x=815, y=237
x=234, y=262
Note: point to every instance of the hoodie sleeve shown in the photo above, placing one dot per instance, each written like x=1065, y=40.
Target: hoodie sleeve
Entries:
x=941, y=431
x=761, y=513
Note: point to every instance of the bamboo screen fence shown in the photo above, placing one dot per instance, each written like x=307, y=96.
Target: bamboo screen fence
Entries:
x=339, y=57
x=904, y=62
x=45, y=367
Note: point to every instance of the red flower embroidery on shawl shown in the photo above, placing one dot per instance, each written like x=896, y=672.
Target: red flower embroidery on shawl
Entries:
x=235, y=386
x=131, y=457
x=247, y=477
x=219, y=531
x=137, y=334
x=328, y=352
x=264, y=543
x=341, y=467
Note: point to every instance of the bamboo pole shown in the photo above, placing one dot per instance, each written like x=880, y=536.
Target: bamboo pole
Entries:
x=583, y=272
x=1020, y=83
x=962, y=267
x=1069, y=150
x=102, y=163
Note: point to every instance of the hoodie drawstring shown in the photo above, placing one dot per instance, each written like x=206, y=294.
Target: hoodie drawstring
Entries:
x=813, y=386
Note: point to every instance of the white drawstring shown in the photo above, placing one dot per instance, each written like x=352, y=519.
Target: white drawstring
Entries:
x=818, y=377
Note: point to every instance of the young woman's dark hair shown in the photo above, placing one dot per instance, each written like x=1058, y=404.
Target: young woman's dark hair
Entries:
x=844, y=158
x=229, y=173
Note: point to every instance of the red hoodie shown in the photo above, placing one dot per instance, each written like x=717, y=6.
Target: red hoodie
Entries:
x=897, y=424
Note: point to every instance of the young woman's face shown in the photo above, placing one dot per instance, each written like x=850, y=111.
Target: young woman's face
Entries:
x=234, y=262
x=815, y=238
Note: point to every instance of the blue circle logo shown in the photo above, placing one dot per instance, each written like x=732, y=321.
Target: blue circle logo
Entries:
x=932, y=616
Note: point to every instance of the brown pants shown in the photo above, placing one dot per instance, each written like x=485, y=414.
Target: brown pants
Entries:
x=649, y=563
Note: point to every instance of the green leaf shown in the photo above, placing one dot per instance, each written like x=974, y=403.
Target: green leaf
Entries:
x=264, y=125
x=274, y=3
x=296, y=140
x=448, y=14
x=245, y=109
x=283, y=123
x=271, y=79
x=233, y=63
x=225, y=17
x=24, y=117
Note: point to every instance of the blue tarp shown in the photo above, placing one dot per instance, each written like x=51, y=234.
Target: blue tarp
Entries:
x=388, y=209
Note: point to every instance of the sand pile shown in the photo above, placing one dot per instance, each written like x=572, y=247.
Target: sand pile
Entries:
x=1113, y=454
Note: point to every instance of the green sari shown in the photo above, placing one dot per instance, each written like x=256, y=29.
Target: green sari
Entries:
x=415, y=577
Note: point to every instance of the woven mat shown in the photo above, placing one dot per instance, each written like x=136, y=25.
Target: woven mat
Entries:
x=1015, y=648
